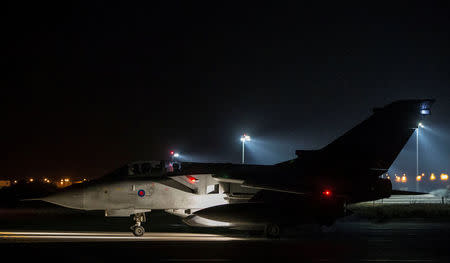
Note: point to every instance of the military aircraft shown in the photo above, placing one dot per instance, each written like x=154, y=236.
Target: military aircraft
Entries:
x=314, y=187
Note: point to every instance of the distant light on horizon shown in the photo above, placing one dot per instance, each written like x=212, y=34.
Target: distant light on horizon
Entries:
x=432, y=177
x=404, y=179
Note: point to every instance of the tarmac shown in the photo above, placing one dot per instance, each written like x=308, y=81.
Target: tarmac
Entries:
x=57, y=235
x=344, y=242
x=412, y=199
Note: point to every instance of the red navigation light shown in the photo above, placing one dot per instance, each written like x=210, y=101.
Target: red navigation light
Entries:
x=172, y=152
x=327, y=193
x=192, y=179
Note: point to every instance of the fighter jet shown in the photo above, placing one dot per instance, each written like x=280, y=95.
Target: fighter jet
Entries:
x=315, y=187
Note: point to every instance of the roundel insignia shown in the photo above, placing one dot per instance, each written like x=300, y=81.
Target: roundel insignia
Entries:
x=141, y=193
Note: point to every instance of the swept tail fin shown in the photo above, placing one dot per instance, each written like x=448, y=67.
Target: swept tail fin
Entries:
x=373, y=145
x=369, y=148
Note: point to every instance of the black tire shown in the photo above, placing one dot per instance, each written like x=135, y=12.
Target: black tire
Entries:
x=138, y=231
x=272, y=231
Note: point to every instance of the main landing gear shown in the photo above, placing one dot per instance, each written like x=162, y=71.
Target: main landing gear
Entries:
x=137, y=229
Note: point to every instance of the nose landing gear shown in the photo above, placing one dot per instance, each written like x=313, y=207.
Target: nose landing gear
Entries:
x=137, y=229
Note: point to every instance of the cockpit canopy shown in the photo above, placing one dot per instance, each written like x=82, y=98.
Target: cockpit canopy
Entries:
x=145, y=169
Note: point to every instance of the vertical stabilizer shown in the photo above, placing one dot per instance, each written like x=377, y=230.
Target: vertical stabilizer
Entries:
x=373, y=145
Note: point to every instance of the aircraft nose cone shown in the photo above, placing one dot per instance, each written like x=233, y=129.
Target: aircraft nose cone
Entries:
x=70, y=199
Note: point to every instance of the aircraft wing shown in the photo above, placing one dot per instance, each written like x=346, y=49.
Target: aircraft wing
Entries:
x=261, y=177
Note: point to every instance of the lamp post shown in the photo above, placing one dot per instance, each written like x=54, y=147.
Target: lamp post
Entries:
x=244, y=138
x=417, y=155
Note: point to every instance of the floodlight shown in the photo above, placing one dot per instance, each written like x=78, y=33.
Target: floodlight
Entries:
x=425, y=112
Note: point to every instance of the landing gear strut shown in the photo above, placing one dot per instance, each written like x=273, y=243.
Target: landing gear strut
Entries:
x=137, y=229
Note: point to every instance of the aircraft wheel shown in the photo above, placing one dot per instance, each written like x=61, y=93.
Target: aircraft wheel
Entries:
x=138, y=231
x=272, y=231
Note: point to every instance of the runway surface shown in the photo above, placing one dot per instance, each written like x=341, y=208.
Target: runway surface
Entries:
x=415, y=241
x=40, y=232
x=58, y=236
x=412, y=199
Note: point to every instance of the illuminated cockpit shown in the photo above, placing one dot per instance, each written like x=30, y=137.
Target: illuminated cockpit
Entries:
x=144, y=169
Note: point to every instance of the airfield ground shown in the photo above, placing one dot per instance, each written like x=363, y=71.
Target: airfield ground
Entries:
x=56, y=234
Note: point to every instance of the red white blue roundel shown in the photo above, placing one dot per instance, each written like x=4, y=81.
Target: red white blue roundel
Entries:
x=141, y=193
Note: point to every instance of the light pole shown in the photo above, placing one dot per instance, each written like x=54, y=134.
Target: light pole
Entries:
x=417, y=155
x=244, y=138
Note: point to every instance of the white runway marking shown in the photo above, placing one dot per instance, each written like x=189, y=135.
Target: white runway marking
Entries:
x=32, y=236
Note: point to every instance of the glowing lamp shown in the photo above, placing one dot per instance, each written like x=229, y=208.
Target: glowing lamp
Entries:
x=404, y=178
x=418, y=178
x=326, y=193
x=425, y=111
x=192, y=179
x=245, y=138
x=432, y=177
x=444, y=177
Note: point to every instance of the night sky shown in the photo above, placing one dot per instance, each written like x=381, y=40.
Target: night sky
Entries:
x=91, y=86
